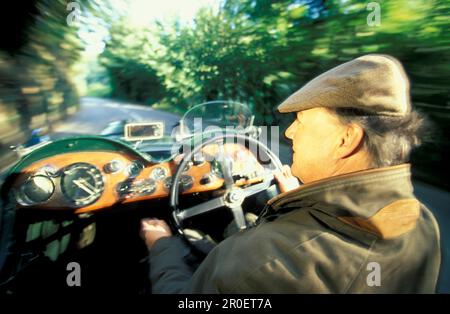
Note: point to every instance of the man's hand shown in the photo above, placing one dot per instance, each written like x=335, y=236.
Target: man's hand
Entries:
x=286, y=180
x=154, y=229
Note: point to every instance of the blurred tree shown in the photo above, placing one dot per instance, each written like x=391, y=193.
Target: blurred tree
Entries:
x=37, y=51
x=260, y=51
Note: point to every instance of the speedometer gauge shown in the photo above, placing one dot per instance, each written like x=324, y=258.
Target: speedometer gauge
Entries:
x=82, y=184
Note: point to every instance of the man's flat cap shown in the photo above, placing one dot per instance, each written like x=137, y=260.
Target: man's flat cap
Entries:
x=375, y=83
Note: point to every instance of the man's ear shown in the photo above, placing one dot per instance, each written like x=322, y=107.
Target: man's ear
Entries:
x=350, y=141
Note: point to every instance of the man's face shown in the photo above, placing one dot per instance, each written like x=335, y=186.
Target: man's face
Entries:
x=315, y=135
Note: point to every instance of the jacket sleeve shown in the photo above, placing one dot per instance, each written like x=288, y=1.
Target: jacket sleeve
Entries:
x=259, y=260
x=174, y=268
x=170, y=267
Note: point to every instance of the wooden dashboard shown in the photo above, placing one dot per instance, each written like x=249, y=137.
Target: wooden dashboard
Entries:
x=110, y=194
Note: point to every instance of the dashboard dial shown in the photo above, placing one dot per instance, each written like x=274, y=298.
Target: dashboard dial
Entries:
x=158, y=173
x=186, y=182
x=138, y=188
x=82, y=184
x=37, y=189
x=135, y=168
x=48, y=171
x=114, y=166
x=144, y=187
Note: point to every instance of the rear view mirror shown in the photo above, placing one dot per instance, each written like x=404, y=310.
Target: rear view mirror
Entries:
x=143, y=131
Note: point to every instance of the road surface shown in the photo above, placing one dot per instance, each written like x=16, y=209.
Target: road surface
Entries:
x=95, y=114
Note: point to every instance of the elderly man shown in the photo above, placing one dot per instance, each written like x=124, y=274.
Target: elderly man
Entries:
x=354, y=226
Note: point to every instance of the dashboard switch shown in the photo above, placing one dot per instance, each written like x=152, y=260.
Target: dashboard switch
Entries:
x=206, y=179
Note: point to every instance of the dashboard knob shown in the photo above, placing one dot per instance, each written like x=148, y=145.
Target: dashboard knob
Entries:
x=206, y=179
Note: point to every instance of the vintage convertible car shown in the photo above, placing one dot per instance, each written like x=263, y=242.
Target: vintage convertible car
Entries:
x=81, y=199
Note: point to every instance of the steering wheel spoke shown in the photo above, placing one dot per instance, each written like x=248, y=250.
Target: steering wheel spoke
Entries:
x=226, y=163
x=239, y=218
x=201, y=208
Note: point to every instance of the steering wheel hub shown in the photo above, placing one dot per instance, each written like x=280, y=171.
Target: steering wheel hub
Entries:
x=234, y=198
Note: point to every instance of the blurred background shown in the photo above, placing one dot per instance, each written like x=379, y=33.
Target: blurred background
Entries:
x=69, y=67
x=172, y=54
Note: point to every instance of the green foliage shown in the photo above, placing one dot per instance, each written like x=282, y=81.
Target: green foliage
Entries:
x=260, y=51
x=36, y=74
x=98, y=90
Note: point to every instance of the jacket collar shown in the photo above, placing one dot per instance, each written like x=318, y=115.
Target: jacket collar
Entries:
x=359, y=194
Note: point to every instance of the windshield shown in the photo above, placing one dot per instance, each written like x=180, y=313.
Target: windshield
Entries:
x=200, y=119
x=216, y=114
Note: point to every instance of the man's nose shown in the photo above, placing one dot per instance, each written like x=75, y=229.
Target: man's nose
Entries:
x=290, y=132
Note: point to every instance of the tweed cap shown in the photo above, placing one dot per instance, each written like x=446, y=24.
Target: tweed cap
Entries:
x=375, y=83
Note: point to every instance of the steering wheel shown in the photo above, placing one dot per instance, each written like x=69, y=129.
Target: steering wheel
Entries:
x=234, y=195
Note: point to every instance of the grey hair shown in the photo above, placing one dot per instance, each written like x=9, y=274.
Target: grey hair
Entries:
x=389, y=140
